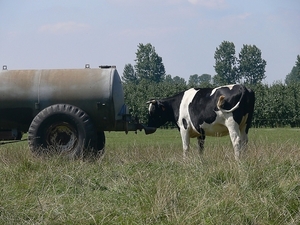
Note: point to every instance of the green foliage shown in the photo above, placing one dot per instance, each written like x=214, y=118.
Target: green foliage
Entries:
x=277, y=105
x=205, y=80
x=193, y=80
x=143, y=179
x=199, y=81
x=177, y=81
x=129, y=75
x=294, y=75
x=136, y=95
x=251, y=66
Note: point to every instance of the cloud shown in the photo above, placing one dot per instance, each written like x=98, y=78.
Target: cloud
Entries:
x=231, y=22
x=212, y=4
x=64, y=28
x=243, y=16
x=149, y=32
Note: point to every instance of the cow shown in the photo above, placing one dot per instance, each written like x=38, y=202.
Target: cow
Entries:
x=201, y=112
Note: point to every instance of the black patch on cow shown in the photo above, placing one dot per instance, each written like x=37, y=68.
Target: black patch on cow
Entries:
x=170, y=113
x=203, y=106
x=184, y=123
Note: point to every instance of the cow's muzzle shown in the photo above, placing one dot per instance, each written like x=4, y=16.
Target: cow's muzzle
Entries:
x=149, y=130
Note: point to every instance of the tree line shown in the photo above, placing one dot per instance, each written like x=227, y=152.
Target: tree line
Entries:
x=276, y=105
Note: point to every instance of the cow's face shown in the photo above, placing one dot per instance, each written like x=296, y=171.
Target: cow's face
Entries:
x=157, y=114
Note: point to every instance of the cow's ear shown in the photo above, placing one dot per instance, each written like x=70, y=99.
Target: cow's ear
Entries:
x=153, y=101
x=161, y=105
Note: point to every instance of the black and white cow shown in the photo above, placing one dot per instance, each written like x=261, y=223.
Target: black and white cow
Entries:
x=200, y=112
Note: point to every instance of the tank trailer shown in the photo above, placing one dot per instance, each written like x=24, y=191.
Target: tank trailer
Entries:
x=65, y=111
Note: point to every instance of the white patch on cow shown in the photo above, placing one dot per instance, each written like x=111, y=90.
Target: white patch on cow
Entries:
x=190, y=131
x=216, y=128
x=228, y=86
x=184, y=108
x=235, y=136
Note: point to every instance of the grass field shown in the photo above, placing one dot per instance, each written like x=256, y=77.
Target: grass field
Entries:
x=144, y=180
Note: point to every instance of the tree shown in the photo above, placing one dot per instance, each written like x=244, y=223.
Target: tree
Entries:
x=225, y=66
x=294, y=75
x=171, y=86
x=149, y=64
x=251, y=66
x=179, y=81
x=193, y=81
x=203, y=80
x=168, y=79
x=136, y=97
x=129, y=75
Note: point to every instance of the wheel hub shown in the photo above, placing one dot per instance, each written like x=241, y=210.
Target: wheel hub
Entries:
x=63, y=136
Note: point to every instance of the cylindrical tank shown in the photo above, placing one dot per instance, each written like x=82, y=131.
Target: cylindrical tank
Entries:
x=24, y=93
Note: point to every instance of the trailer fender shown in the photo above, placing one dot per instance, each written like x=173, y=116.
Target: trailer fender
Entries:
x=100, y=148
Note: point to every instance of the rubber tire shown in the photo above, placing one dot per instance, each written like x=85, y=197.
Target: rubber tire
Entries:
x=62, y=129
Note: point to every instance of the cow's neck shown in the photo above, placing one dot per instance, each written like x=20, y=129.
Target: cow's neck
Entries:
x=172, y=109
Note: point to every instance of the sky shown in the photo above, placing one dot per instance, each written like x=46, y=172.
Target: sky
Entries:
x=56, y=34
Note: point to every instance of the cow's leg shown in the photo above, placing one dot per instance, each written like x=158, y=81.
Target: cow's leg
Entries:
x=185, y=141
x=235, y=136
x=201, y=140
x=244, y=135
x=244, y=138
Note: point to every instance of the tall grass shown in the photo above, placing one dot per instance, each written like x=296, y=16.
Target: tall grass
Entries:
x=144, y=180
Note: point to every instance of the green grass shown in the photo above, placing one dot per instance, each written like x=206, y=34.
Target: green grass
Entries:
x=144, y=180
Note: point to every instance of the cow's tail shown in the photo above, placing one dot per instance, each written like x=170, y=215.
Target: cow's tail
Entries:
x=221, y=103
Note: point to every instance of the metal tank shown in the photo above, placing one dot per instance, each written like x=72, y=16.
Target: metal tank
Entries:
x=28, y=98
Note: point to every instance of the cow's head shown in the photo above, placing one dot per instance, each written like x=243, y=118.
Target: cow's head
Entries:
x=158, y=115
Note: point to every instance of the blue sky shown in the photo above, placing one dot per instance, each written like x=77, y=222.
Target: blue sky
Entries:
x=44, y=34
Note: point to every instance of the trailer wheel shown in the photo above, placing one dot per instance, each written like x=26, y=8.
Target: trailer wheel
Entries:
x=62, y=129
